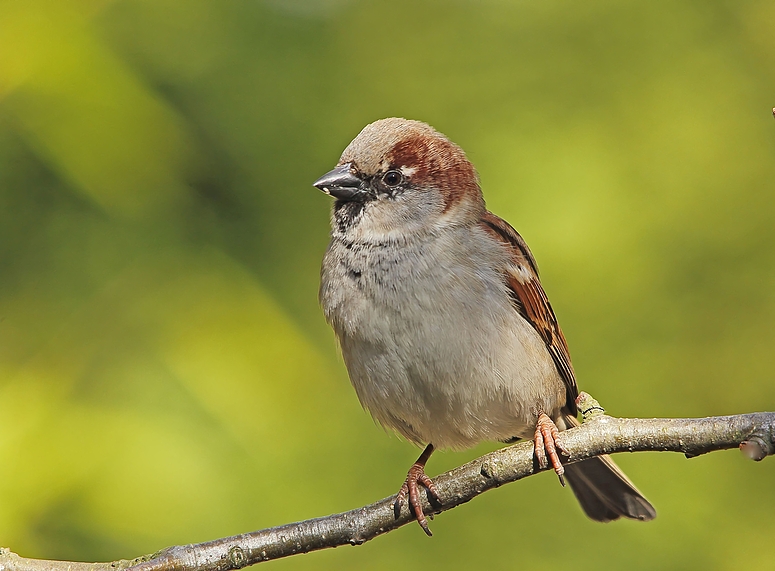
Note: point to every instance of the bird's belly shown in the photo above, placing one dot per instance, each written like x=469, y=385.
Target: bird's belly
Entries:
x=454, y=374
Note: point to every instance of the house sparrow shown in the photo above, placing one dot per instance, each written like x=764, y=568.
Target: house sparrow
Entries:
x=446, y=332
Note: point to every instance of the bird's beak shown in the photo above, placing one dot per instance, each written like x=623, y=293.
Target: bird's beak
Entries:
x=341, y=183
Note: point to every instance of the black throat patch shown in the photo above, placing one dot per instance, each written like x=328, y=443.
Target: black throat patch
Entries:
x=347, y=214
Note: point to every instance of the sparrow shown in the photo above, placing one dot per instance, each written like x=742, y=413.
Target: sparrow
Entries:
x=446, y=332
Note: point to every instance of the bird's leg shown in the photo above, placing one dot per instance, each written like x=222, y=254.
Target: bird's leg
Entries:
x=415, y=476
x=545, y=444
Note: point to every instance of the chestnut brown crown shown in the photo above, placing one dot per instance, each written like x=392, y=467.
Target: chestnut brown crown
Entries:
x=425, y=158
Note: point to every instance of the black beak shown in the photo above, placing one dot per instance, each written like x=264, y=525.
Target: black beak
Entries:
x=341, y=183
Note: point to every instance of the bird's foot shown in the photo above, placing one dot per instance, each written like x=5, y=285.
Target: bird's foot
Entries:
x=415, y=478
x=546, y=445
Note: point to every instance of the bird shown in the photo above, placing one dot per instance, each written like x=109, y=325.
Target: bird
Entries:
x=446, y=332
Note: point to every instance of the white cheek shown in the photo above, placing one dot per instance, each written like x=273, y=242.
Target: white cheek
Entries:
x=410, y=213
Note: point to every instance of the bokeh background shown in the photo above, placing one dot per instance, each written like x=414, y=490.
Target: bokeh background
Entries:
x=166, y=375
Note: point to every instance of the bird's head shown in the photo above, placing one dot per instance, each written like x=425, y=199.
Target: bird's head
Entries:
x=398, y=178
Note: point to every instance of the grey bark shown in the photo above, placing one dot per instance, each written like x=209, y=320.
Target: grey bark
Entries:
x=753, y=433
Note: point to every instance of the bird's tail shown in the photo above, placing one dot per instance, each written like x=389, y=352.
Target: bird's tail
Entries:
x=603, y=490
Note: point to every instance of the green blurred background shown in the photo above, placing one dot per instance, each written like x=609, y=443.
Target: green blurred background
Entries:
x=166, y=375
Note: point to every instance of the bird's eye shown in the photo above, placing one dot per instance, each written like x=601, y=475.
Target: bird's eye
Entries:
x=392, y=178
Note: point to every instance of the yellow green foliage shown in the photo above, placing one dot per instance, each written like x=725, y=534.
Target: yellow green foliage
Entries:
x=166, y=375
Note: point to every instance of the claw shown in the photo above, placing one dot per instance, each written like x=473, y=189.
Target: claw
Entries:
x=415, y=478
x=545, y=445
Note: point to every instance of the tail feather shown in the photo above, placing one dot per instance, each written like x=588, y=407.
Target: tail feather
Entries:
x=603, y=490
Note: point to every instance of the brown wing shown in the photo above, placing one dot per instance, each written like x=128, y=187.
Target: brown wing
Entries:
x=531, y=301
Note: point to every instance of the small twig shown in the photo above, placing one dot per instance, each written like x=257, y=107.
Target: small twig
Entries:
x=600, y=434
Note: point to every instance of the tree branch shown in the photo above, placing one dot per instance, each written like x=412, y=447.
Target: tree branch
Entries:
x=754, y=434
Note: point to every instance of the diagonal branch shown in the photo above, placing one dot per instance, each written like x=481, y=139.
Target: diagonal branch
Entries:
x=600, y=434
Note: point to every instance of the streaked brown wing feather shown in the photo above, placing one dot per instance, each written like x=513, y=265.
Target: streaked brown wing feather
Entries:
x=531, y=301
